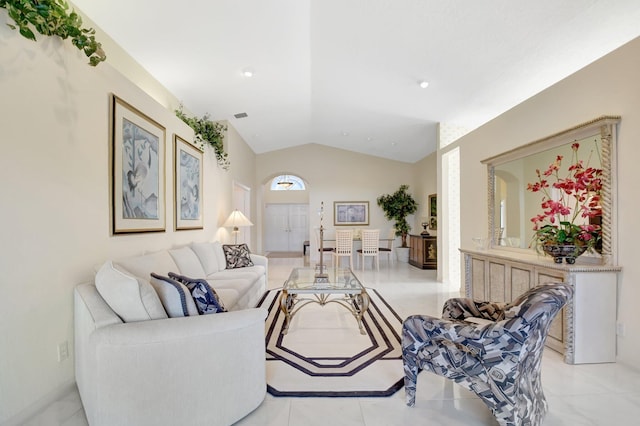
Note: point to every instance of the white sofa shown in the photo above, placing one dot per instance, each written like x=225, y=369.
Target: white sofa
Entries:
x=193, y=370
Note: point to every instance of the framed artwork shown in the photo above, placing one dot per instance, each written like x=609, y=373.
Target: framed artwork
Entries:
x=433, y=223
x=433, y=205
x=137, y=171
x=187, y=183
x=350, y=213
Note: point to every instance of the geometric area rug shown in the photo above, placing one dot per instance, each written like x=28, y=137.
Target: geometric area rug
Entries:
x=324, y=355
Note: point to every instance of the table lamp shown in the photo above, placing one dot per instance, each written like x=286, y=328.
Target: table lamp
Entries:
x=236, y=220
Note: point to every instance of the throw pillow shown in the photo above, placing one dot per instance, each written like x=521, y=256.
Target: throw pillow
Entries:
x=237, y=255
x=206, y=299
x=175, y=296
x=132, y=298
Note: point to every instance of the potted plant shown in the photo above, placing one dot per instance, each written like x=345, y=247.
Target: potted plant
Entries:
x=566, y=227
x=397, y=207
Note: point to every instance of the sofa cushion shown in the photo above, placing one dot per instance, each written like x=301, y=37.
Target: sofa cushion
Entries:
x=237, y=255
x=241, y=286
x=250, y=273
x=132, y=298
x=175, y=296
x=159, y=262
x=187, y=261
x=230, y=298
x=222, y=261
x=206, y=299
x=207, y=256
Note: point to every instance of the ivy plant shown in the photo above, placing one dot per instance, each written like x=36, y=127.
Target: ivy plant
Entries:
x=208, y=133
x=53, y=18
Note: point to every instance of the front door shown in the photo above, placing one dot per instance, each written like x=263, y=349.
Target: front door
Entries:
x=286, y=226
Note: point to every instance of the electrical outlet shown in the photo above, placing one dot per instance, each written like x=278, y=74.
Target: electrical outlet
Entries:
x=620, y=331
x=63, y=351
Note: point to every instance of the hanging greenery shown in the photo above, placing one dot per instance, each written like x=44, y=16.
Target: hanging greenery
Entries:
x=208, y=132
x=52, y=18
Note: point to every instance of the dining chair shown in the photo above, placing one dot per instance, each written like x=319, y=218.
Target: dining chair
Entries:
x=370, y=243
x=388, y=250
x=325, y=250
x=344, y=246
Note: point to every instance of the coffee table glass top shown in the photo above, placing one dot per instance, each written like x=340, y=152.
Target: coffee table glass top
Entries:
x=307, y=285
x=336, y=280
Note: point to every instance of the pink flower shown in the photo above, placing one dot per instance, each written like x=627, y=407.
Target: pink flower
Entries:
x=567, y=215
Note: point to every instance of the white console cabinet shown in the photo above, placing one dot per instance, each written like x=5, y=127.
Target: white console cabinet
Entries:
x=585, y=331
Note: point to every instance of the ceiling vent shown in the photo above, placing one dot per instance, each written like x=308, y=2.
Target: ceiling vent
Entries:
x=240, y=115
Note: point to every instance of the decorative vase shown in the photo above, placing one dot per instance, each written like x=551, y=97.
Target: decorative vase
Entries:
x=568, y=252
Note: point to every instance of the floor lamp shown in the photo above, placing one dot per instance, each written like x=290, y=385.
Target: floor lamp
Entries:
x=236, y=220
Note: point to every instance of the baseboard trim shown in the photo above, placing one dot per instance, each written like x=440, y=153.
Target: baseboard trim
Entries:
x=39, y=405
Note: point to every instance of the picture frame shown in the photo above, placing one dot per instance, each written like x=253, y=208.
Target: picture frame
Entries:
x=433, y=205
x=137, y=157
x=350, y=213
x=433, y=223
x=187, y=185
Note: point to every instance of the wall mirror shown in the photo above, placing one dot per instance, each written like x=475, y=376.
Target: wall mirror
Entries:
x=511, y=206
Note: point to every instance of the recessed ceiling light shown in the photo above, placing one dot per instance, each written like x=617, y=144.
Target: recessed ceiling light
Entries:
x=247, y=72
x=345, y=133
x=394, y=143
x=424, y=84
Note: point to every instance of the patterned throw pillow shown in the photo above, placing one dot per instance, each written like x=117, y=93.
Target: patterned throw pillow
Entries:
x=175, y=296
x=206, y=298
x=237, y=255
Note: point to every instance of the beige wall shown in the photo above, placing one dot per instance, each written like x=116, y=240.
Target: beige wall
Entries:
x=609, y=86
x=424, y=178
x=54, y=184
x=54, y=177
x=337, y=175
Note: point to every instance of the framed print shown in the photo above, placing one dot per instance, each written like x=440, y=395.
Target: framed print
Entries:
x=433, y=205
x=137, y=171
x=187, y=182
x=350, y=213
x=433, y=212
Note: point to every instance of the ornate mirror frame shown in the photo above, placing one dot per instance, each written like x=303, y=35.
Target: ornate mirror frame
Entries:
x=606, y=127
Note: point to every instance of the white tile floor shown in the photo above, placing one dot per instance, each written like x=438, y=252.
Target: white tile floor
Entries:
x=594, y=394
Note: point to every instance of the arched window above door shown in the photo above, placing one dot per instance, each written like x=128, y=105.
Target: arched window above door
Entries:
x=287, y=183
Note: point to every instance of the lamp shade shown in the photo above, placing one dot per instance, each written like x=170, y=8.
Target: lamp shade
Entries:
x=237, y=219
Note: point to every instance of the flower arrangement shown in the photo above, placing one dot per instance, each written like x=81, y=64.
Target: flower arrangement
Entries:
x=566, y=218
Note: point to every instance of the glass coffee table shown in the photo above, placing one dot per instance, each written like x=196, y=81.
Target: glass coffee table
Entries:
x=334, y=285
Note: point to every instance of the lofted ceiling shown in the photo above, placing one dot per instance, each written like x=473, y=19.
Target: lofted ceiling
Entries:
x=345, y=73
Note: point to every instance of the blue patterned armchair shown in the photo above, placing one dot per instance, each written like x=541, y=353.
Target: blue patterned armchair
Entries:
x=492, y=349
